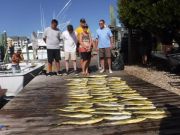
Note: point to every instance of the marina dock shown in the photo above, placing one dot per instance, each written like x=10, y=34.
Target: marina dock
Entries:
x=34, y=110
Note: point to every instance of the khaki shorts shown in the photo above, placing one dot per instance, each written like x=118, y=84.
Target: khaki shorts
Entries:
x=105, y=52
x=70, y=55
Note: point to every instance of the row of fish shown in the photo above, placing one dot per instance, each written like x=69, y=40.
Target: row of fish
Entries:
x=106, y=100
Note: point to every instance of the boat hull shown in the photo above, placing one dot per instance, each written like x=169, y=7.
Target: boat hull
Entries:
x=14, y=83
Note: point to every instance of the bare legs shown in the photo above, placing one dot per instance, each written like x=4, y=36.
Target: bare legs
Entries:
x=50, y=66
x=84, y=67
x=57, y=66
x=109, y=64
x=81, y=63
x=74, y=65
x=87, y=68
x=103, y=64
x=67, y=65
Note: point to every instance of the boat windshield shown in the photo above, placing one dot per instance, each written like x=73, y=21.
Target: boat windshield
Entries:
x=40, y=35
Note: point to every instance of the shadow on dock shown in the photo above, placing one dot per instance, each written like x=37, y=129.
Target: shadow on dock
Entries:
x=171, y=124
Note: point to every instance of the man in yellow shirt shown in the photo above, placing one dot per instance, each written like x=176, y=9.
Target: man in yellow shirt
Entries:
x=79, y=30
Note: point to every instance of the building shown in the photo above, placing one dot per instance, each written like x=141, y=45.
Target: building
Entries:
x=17, y=41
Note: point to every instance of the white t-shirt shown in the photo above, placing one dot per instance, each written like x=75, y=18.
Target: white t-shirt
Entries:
x=52, y=38
x=70, y=41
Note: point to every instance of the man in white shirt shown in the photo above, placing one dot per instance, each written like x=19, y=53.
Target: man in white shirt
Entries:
x=51, y=37
x=70, y=44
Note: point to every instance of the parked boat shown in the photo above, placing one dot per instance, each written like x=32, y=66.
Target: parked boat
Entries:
x=14, y=82
x=37, y=48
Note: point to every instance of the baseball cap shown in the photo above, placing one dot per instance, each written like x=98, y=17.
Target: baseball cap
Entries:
x=82, y=20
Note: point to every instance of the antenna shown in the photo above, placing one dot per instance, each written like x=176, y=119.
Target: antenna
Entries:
x=63, y=25
x=54, y=15
x=112, y=16
x=41, y=16
x=43, y=22
x=65, y=6
x=63, y=19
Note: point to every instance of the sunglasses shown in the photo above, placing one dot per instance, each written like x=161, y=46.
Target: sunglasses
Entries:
x=85, y=27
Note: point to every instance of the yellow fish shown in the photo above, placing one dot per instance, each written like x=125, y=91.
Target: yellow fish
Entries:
x=110, y=104
x=83, y=122
x=152, y=116
x=85, y=110
x=128, y=121
x=112, y=113
x=110, y=108
x=98, y=76
x=103, y=97
x=115, y=118
x=152, y=112
x=104, y=100
x=103, y=88
x=148, y=107
x=78, y=115
x=77, y=101
x=80, y=97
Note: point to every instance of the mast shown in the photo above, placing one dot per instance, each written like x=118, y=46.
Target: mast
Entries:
x=112, y=16
x=5, y=47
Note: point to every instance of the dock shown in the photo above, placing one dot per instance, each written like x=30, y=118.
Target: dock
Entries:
x=33, y=110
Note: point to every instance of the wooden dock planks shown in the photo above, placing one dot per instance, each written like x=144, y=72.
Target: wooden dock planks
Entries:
x=33, y=112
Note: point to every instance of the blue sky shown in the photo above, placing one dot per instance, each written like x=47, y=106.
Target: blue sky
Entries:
x=21, y=17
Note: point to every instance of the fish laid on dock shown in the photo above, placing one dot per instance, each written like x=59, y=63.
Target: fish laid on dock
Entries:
x=83, y=122
x=110, y=108
x=152, y=116
x=113, y=104
x=116, y=118
x=78, y=115
x=128, y=121
x=151, y=112
x=98, y=76
x=147, y=107
x=112, y=113
x=100, y=98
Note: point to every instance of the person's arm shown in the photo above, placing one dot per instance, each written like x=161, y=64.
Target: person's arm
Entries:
x=45, y=39
x=96, y=44
x=76, y=37
x=60, y=36
x=45, y=36
x=112, y=42
x=111, y=38
x=90, y=41
x=81, y=42
x=21, y=57
x=97, y=41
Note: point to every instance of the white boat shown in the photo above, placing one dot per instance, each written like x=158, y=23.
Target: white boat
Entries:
x=15, y=82
x=37, y=48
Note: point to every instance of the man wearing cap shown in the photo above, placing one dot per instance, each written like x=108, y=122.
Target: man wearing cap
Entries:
x=104, y=40
x=70, y=43
x=79, y=31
